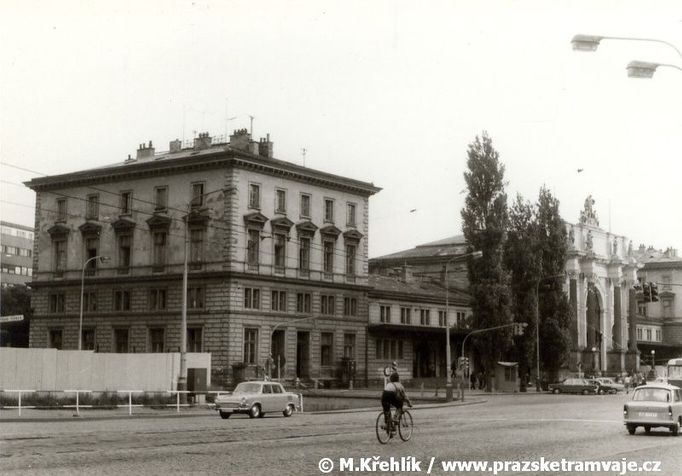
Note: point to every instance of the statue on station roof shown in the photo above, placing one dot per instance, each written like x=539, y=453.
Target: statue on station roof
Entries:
x=588, y=216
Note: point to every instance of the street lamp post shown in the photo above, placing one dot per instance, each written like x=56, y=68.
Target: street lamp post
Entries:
x=448, y=374
x=103, y=259
x=653, y=363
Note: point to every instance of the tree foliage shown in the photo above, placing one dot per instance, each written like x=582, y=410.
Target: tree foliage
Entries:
x=485, y=220
x=15, y=300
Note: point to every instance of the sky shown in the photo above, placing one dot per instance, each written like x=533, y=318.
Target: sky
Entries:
x=390, y=92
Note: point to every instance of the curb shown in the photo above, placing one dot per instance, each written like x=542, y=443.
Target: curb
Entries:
x=415, y=407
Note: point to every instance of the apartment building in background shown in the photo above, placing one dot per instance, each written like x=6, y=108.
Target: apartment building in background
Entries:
x=277, y=258
x=16, y=261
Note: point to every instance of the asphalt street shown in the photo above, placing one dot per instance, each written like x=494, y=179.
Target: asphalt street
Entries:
x=514, y=428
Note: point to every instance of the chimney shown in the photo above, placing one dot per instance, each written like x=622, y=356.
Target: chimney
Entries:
x=240, y=139
x=202, y=142
x=253, y=148
x=265, y=147
x=175, y=146
x=145, y=152
x=406, y=274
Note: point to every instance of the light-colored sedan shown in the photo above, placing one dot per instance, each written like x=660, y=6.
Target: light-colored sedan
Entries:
x=654, y=405
x=607, y=385
x=256, y=399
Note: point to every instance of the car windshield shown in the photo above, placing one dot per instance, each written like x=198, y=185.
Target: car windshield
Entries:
x=651, y=395
x=247, y=388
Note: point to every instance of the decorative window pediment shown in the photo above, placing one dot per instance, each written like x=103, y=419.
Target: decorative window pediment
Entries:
x=256, y=219
x=352, y=235
x=90, y=228
x=159, y=221
x=330, y=230
x=123, y=224
x=58, y=230
x=282, y=223
x=306, y=227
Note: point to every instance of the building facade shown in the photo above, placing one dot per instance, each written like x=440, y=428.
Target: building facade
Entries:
x=276, y=253
x=16, y=262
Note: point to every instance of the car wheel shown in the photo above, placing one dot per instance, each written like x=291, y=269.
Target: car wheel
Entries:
x=288, y=411
x=601, y=391
x=585, y=392
x=225, y=415
x=556, y=391
x=675, y=429
x=647, y=429
x=631, y=429
x=254, y=412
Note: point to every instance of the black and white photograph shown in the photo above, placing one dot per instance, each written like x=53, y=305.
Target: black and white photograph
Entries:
x=316, y=237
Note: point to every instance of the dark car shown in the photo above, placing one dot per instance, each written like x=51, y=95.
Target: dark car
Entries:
x=574, y=385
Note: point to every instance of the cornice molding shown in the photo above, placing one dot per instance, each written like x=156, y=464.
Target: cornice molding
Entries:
x=58, y=230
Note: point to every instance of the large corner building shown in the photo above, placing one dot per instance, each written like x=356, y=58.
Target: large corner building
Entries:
x=277, y=258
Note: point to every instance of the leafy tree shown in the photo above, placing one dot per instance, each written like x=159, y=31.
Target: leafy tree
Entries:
x=484, y=219
x=553, y=302
x=15, y=300
x=523, y=258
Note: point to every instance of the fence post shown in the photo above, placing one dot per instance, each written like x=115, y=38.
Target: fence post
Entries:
x=130, y=402
x=177, y=402
x=300, y=399
x=19, y=402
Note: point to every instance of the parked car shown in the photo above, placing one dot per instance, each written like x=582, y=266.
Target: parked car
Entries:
x=574, y=385
x=654, y=405
x=256, y=399
x=607, y=385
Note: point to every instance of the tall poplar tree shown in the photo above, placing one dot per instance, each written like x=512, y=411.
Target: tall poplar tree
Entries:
x=484, y=225
x=555, y=320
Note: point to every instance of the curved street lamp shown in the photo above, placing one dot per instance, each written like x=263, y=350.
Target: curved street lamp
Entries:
x=102, y=259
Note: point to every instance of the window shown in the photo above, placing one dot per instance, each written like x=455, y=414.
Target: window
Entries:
x=667, y=306
x=405, y=315
x=303, y=302
x=304, y=254
x=326, y=343
x=59, y=253
x=160, y=199
x=280, y=252
x=196, y=245
x=61, y=210
x=92, y=207
x=126, y=204
x=280, y=201
x=250, y=346
x=197, y=195
x=641, y=308
x=195, y=297
x=121, y=341
x=88, y=339
x=194, y=339
x=349, y=346
x=666, y=280
x=254, y=195
x=124, y=242
x=159, y=250
x=57, y=302
x=252, y=298
x=327, y=305
x=305, y=205
x=461, y=319
x=659, y=336
x=350, y=260
x=328, y=257
x=90, y=301
x=648, y=334
x=639, y=333
x=350, y=307
x=425, y=317
x=122, y=300
x=55, y=338
x=350, y=214
x=279, y=301
x=157, y=299
x=156, y=340
x=329, y=210
x=91, y=251
x=253, y=247
x=385, y=314
x=441, y=318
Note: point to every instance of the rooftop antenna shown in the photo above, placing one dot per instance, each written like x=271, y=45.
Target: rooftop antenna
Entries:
x=303, y=152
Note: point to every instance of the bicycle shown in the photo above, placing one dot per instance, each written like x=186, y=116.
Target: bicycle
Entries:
x=403, y=421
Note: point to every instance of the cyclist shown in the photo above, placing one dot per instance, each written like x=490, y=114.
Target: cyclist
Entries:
x=393, y=394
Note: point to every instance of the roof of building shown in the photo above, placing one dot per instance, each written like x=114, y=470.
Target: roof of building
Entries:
x=653, y=258
x=444, y=247
x=16, y=225
x=415, y=289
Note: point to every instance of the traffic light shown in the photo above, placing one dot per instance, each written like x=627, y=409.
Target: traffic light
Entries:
x=653, y=292
x=637, y=287
x=646, y=290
